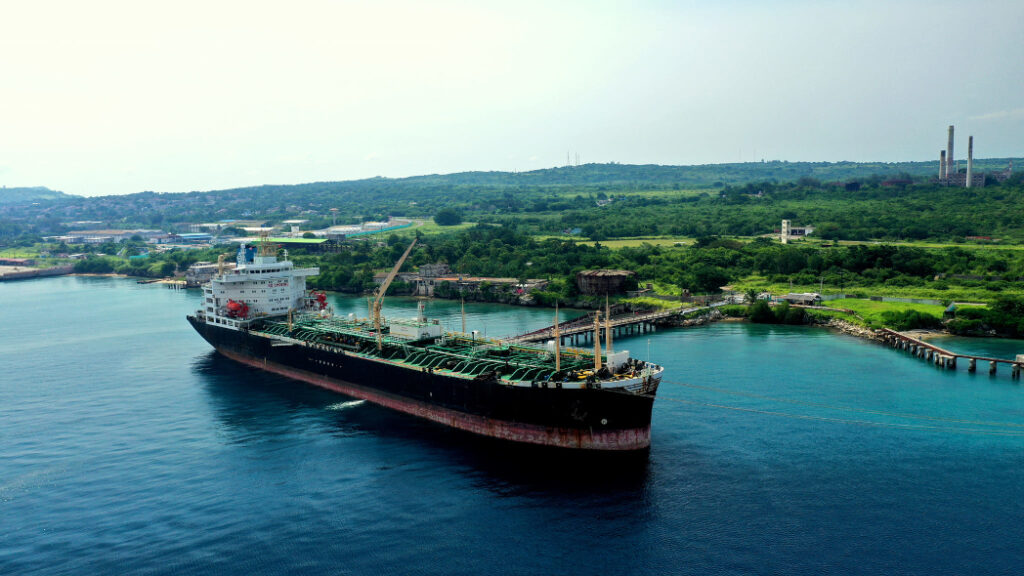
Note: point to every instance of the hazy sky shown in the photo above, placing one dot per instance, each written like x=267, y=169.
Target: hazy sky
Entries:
x=106, y=97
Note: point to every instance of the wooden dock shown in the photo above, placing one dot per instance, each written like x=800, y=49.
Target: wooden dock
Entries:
x=945, y=358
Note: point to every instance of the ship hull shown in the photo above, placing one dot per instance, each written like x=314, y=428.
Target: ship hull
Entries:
x=587, y=419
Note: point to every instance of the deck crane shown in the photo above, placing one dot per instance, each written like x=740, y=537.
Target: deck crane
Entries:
x=378, y=298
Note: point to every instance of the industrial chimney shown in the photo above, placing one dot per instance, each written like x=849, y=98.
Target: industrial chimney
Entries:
x=942, y=164
x=970, y=159
x=949, y=154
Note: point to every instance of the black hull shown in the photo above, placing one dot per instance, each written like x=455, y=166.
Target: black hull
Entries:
x=598, y=419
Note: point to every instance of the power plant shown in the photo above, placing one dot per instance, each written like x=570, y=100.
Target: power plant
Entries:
x=949, y=170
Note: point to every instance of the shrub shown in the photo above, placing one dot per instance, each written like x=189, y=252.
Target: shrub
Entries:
x=448, y=217
x=761, y=312
x=910, y=320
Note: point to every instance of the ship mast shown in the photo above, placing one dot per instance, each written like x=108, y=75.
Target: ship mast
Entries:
x=558, y=341
x=378, y=299
x=607, y=327
x=220, y=262
x=265, y=248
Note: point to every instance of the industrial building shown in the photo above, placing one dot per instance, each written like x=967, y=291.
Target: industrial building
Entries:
x=202, y=272
x=312, y=245
x=599, y=282
x=950, y=173
x=789, y=232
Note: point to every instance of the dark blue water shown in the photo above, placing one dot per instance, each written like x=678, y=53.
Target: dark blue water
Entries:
x=128, y=446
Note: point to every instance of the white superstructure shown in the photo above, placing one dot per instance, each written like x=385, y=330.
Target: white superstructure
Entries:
x=260, y=286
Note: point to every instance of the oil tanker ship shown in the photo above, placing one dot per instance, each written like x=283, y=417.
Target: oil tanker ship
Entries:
x=261, y=314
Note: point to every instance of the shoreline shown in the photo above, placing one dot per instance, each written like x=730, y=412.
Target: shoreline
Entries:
x=715, y=315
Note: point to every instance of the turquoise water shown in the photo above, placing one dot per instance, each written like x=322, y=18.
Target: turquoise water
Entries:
x=127, y=445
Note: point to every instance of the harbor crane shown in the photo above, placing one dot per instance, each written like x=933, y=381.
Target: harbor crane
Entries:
x=378, y=297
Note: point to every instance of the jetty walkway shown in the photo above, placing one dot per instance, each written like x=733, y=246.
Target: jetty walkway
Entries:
x=946, y=358
x=581, y=330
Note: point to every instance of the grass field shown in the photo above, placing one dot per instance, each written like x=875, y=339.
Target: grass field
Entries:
x=917, y=244
x=641, y=193
x=429, y=228
x=651, y=302
x=19, y=252
x=953, y=293
x=871, y=314
x=627, y=242
x=873, y=311
x=633, y=242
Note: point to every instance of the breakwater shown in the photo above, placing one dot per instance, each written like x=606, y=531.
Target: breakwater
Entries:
x=25, y=273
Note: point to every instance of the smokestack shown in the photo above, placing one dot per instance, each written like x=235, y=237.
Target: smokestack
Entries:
x=942, y=164
x=970, y=159
x=949, y=154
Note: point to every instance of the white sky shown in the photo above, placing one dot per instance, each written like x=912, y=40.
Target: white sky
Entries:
x=108, y=97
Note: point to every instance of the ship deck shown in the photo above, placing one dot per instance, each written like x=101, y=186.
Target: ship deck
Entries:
x=455, y=354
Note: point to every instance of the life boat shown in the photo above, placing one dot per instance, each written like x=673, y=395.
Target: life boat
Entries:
x=237, y=309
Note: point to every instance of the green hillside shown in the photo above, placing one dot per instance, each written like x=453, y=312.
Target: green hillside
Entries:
x=29, y=194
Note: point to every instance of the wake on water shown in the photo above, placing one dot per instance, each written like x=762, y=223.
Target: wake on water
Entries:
x=344, y=405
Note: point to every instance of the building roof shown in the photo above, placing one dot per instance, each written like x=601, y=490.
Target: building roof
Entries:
x=298, y=240
x=606, y=273
x=104, y=232
x=805, y=296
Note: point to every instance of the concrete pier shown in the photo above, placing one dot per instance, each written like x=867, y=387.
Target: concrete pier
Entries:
x=944, y=358
x=580, y=330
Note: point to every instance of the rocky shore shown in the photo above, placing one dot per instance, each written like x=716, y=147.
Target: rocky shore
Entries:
x=833, y=323
x=850, y=328
x=712, y=316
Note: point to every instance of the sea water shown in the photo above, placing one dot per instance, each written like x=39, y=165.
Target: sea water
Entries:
x=128, y=446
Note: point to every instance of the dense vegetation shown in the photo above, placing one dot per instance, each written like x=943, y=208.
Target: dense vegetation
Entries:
x=762, y=313
x=530, y=225
x=22, y=195
x=133, y=260
x=847, y=200
x=915, y=212
x=704, y=267
x=1004, y=317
